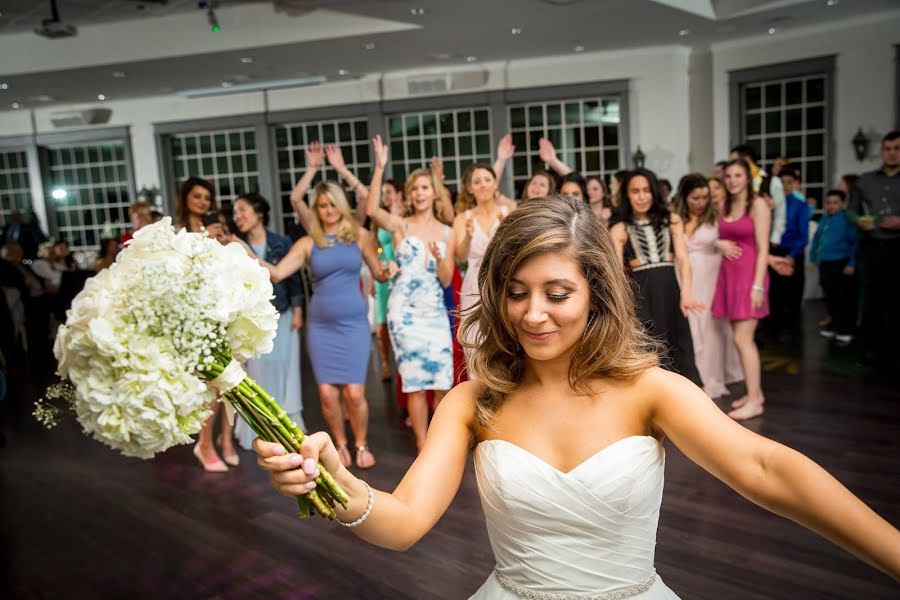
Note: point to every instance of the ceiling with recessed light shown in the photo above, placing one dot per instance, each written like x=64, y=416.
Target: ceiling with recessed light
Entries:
x=114, y=53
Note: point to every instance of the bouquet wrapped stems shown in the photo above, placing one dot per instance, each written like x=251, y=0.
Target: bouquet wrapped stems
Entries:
x=269, y=421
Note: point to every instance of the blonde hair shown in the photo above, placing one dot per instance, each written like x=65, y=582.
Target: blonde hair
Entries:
x=614, y=344
x=438, y=207
x=348, y=230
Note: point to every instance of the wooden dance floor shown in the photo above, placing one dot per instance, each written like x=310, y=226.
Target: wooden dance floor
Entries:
x=79, y=521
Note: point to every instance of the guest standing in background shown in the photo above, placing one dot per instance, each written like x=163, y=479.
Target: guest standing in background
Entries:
x=338, y=336
x=650, y=243
x=768, y=187
x=139, y=215
x=786, y=262
x=109, y=250
x=875, y=208
x=714, y=352
x=279, y=370
x=742, y=294
x=417, y=316
x=834, y=251
x=196, y=198
x=473, y=230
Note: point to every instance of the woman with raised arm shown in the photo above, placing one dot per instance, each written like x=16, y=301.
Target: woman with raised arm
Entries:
x=650, y=243
x=315, y=155
x=567, y=420
x=417, y=316
x=473, y=230
x=338, y=337
x=742, y=289
x=591, y=189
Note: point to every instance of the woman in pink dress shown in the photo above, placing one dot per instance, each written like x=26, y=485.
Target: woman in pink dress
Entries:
x=742, y=290
x=714, y=351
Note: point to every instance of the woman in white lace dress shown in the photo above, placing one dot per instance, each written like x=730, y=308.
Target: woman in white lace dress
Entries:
x=568, y=414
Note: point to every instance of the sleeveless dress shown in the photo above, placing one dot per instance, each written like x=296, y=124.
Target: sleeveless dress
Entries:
x=732, y=299
x=383, y=290
x=278, y=372
x=417, y=319
x=657, y=296
x=588, y=533
x=714, y=351
x=477, y=245
x=338, y=336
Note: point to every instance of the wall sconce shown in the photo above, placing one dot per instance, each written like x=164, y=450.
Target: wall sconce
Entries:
x=638, y=158
x=860, y=145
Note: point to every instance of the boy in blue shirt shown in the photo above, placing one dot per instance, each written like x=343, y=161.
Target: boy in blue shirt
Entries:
x=834, y=250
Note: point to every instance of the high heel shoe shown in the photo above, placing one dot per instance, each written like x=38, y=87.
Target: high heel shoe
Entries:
x=212, y=467
x=231, y=459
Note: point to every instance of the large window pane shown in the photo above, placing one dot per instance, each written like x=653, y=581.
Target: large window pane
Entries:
x=15, y=193
x=291, y=141
x=588, y=143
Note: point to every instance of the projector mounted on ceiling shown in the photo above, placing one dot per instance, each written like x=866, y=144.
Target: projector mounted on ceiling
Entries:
x=53, y=28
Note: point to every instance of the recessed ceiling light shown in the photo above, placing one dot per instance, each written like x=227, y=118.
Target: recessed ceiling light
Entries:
x=247, y=60
x=343, y=71
x=578, y=48
x=684, y=32
x=369, y=46
x=227, y=84
x=471, y=59
x=516, y=30
x=772, y=30
x=16, y=105
x=101, y=97
x=4, y=86
x=118, y=74
x=831, y=3
x=417, y=11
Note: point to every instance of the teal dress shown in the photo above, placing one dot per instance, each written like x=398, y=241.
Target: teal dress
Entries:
x=383, y=290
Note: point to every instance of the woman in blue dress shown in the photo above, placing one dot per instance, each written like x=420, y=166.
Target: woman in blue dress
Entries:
x=417, y=317
x=279, y=370
x=338, y=337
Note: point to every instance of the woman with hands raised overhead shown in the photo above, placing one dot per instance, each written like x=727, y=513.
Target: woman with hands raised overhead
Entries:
x=315, y=157
x=338, y=336
x=417, y=317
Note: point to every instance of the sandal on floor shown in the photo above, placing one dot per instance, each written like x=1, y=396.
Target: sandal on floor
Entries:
x=344, y=453
x=361, y=451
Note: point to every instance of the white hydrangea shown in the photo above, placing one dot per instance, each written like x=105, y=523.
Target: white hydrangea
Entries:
x=136, y=334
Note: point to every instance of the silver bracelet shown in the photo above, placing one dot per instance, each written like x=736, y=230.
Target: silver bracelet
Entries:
x=757, y=288
x=366, y=514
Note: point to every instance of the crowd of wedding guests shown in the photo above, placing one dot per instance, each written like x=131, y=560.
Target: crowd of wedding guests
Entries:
x=710, y=260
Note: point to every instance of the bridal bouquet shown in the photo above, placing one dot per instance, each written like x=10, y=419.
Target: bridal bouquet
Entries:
x=147, y=339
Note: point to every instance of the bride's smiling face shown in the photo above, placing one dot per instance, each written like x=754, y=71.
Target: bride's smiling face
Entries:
x=548, y=303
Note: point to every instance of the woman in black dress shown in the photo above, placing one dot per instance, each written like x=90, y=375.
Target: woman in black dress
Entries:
x=650, y=242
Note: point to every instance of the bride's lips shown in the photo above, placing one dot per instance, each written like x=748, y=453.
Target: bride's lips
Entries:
x=538, y=337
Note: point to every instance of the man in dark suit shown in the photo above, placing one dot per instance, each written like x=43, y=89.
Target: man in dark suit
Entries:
x=26, y=235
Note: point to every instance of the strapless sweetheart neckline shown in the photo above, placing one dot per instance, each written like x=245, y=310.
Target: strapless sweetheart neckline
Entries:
x=586, y=461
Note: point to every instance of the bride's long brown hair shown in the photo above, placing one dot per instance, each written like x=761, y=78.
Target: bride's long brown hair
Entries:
x=614, y=344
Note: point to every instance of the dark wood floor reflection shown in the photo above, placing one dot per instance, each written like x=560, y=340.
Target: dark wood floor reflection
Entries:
x=79, y=521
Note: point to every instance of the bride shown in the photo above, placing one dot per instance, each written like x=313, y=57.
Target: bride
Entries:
x=567, y=418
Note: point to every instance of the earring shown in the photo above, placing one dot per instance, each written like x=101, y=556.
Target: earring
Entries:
x=588, y=326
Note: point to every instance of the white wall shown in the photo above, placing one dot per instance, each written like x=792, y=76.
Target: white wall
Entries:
x=864, y=82
x=658, y=102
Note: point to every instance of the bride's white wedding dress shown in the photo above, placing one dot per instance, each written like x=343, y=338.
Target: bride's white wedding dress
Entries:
x=588, y=533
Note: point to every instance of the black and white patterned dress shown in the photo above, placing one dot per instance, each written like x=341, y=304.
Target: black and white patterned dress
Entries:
x=657, y=295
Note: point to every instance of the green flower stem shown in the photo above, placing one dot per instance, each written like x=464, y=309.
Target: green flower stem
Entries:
x=270, y=422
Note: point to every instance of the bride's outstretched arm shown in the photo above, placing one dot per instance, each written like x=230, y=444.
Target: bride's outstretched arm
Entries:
x=770, y=474
x=400, y=518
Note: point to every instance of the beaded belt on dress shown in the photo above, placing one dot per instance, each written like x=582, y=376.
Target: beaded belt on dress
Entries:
x=655, y=265
x=617, y=594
